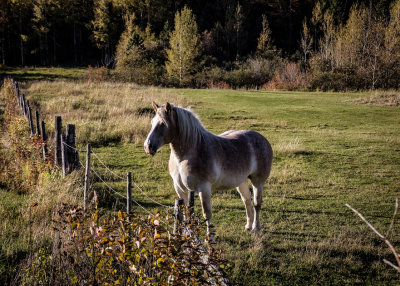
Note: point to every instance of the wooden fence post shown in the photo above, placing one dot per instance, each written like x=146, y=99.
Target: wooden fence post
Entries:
x=44, y=138
x=64, y=155
x=30, y=120
x=73, y=156
x=37, y=123
x=23, y=105
x=129, y=193
x=177, y=214
x=57, y=141
x=87, y=172
x=191, y=203
x=27, y=109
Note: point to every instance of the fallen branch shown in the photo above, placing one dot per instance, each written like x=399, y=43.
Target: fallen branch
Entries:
x=384, y=238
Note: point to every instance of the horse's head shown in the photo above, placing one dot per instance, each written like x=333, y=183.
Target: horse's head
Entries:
x=162, y=128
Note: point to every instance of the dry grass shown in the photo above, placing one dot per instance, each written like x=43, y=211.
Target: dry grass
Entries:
x=286, y=147
x=103, y=112
x=381, y=98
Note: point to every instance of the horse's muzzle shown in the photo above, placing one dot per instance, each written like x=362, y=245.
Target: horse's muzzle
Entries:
x=149, y=149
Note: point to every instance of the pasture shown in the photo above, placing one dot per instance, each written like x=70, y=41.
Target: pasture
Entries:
x=329, y=149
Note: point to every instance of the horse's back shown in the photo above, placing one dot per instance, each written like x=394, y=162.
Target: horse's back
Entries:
x=251, y=146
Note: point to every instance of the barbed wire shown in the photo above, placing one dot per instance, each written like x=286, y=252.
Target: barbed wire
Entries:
x=73, y=148
x=122, y=196
x=105, y=166
x=133, y=181
x=154, y=201
x=119, y=177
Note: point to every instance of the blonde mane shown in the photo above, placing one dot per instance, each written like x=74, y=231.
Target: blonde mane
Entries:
x=190, y=128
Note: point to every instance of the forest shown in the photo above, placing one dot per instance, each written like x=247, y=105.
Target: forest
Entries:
x=295, y=45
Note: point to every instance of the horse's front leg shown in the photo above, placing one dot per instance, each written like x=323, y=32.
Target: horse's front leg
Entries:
x=205, y=199
x=181, y=192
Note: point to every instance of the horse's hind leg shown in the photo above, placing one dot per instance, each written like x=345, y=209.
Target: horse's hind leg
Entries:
x=257, y=201
x=245, y=194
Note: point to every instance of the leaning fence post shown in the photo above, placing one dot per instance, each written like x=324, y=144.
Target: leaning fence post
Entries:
x=44, y=138
x=37, y=123
x=30, y=120
x=64, y=155
x=87, y=172
x=57, y=141
x=129, y=193
x=177, y=213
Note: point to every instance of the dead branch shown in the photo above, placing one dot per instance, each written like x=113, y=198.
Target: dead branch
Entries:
x=384, y=238
x=396, y=208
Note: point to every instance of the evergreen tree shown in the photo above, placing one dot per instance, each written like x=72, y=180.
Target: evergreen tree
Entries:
x=184, y=49
x=139, y=55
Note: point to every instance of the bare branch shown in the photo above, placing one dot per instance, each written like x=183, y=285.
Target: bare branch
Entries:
x=391, y=264
x=396, y=208
x=396, y=255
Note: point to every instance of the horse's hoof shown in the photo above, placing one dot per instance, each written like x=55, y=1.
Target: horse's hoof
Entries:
x=246, y=228
x=255, y=231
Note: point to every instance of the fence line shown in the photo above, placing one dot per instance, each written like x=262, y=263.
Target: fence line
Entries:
x=118, y=176
x=60, y=144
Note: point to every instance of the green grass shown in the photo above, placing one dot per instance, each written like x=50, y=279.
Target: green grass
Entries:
x=53, y=73
x=329, y=150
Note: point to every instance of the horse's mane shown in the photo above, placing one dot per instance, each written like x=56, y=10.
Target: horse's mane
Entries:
x=190, y=128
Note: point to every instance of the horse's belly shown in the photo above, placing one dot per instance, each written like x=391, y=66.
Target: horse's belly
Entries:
x=228, y=181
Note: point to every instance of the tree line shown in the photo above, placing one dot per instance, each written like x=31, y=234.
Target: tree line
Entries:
x=326, y=44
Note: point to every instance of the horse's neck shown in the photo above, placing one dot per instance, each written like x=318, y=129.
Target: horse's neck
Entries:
x=181, y=151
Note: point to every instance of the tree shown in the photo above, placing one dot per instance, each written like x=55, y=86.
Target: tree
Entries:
x=3, y=28
x=264, y=42
x=184, y=49
x=306, y=42
x=42, y=26
x=316, y=21
x=238, y=26
x=392, y=34
x=104, y=29
x=139, y=55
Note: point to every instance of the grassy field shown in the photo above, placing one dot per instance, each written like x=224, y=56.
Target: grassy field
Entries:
x=330, y=149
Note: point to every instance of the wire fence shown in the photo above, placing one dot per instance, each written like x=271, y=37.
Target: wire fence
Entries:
x=111, y=189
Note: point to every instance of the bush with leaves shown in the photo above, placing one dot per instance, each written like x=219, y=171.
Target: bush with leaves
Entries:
x=125, y=250
x=290, y=78
x=21, y=161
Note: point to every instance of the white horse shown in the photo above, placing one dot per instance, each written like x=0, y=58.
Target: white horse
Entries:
x=201, y=161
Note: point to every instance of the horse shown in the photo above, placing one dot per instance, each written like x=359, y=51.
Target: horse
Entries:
x=201, y=161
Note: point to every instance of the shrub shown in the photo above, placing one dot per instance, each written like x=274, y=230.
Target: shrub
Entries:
x=291, y=78
x=322, y=76
x=21, y=162
x=252, y=73
x=123, y=250
x=97, y=74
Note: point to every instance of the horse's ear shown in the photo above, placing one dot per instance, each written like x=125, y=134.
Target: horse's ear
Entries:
x=155, y=106
x=168, y=107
